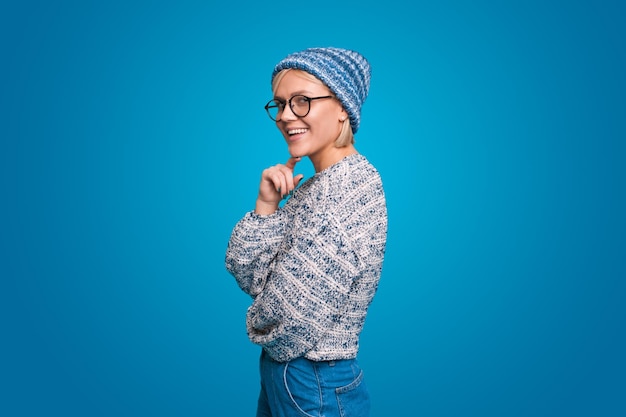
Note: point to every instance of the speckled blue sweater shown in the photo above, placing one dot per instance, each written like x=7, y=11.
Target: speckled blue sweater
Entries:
x=313, y=266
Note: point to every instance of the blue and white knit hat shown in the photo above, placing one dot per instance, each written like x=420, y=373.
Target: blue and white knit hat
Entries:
x=346, y=73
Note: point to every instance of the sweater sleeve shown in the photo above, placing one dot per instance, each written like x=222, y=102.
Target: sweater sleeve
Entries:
x=253, y=245
x=308, y=291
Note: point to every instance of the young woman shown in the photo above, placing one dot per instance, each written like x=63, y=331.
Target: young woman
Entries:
x=312, y=266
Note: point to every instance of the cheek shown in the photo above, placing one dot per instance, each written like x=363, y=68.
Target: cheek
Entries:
x=329, y=123
x=329, y=132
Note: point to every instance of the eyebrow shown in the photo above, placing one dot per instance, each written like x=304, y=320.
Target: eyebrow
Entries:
x=296, y=93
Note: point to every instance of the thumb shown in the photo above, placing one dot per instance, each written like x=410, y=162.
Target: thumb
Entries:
x=297, y=179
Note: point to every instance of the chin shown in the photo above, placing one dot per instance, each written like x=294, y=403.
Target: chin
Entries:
x=295, y=152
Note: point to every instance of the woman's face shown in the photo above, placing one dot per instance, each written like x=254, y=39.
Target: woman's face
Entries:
x=315, y=134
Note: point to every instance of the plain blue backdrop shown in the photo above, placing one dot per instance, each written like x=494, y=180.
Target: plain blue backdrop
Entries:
x=132, y=139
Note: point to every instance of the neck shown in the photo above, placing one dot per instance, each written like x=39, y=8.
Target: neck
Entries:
x=331, y=157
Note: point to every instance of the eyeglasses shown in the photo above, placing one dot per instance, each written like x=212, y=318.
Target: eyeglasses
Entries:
x=300, y=106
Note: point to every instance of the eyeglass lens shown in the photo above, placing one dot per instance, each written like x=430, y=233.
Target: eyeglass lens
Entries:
x=300, y=106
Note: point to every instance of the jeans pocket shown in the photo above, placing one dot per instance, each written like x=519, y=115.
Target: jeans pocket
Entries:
x=302, y=386
x=353, y=399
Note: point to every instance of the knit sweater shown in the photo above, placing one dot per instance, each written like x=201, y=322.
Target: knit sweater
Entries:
x=313, y=266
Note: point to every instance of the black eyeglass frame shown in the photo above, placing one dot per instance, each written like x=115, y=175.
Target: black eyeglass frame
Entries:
x=283, y=104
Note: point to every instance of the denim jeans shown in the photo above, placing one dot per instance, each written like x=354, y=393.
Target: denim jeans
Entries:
x=303, y=388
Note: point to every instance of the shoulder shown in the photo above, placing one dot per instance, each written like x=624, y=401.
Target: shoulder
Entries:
x=341, y=189
x=358, y=186
x=361, y=179
x=354, y=172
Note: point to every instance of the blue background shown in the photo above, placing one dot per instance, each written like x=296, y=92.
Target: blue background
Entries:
x=133, y=137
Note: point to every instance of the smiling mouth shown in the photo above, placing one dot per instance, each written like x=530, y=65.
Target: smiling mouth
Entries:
x=296, y=131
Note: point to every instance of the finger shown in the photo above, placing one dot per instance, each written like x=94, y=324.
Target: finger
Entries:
x=289, y=179
x=280, y=182
x=285, y=187
x=297, y=179
x=267, y=177
x=270, y=178
x=291, y=162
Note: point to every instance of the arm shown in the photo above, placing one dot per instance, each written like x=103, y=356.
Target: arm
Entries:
x=252, y=247
x=308, y=291
x=256, y=238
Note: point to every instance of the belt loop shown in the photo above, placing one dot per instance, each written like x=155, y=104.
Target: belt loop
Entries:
x=331, y=363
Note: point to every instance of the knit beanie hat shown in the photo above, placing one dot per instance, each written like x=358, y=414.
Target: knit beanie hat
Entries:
x=346, y=73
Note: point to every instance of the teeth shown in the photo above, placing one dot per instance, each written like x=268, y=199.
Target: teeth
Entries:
x=296, y=131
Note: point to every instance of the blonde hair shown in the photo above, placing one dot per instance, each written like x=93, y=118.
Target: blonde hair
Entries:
x=346, y=136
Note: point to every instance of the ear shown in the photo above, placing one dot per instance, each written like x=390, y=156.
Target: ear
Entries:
x=343, y=115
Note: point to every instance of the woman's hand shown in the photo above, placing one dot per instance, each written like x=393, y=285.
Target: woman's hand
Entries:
x=276, y=182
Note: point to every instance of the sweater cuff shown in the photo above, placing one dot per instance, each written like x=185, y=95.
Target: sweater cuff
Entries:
x=262, y=219
x=255, y=227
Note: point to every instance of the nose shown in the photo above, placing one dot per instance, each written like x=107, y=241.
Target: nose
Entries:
x=287, y=114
